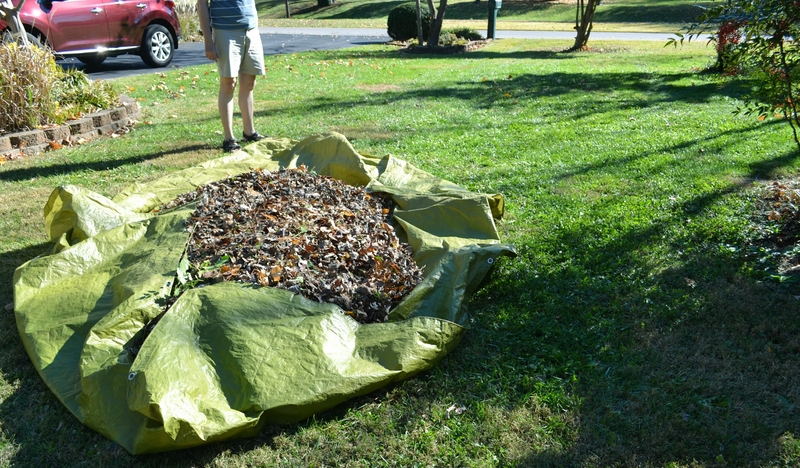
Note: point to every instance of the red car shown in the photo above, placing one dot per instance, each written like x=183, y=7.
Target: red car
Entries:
x=91, y=30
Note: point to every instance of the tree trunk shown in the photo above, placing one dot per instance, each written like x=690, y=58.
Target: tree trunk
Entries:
x=584, y=16
x=11, y=17
x=420, y=34
x=288, y=13
x=437, y=18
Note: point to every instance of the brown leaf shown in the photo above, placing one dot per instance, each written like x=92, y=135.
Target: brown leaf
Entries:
x=275, y=273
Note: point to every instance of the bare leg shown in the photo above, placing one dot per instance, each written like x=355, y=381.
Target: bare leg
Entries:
x=225, y=102
x=246, y=85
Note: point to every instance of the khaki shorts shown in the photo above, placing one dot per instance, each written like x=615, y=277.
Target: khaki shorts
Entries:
x=238, y=51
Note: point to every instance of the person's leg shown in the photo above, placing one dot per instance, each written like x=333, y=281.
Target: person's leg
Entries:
x=229, y=45
x=246, y=84
x=252, y=66
x=225, y=103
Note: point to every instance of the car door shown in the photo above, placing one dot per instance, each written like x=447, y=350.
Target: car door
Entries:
x=76, y=25
x=124, y=21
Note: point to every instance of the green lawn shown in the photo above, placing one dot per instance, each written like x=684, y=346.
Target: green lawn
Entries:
x=611, y=16
x=640, y=325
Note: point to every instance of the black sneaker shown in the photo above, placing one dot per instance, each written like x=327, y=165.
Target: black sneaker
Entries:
x=254, y=137
x=231, y=145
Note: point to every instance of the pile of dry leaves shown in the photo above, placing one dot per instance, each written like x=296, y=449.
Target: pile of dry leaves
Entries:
x=784, y=207
x=309, y=234
x=779, y=227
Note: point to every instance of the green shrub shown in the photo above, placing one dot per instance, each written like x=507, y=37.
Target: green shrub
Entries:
x=35, y=91
x=402, y=22
x=77, y=95
x=468, y=34
x=447, y=38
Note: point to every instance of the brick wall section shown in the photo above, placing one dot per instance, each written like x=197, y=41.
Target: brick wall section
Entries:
x=90, y=126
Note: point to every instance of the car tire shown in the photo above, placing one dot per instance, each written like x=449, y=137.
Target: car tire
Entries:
x=9, y=37
x=95, y=59
x=158, y=47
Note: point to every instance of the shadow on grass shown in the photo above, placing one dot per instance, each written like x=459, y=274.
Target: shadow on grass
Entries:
x=480, y=10
x=9, y=261
x=504, y=92
x=771, y=168
x=16, y=175
x=694, y=364
x=692, y=377
x=32, y=418
x=366, y=10
x=680, y=14
x=761, y=170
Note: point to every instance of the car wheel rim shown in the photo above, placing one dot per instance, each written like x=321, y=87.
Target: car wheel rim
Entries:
x=160, y=46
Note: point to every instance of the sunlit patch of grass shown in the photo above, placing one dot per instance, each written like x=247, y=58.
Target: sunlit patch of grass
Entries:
x=378, y=88
x=16, y=208
x=364, y=133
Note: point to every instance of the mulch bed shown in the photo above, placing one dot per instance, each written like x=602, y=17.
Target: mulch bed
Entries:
x=309, y=234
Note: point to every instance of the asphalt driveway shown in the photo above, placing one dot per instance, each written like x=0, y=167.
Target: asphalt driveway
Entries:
x=192, y=53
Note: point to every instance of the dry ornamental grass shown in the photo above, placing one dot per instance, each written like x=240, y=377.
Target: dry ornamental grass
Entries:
x=309, y=234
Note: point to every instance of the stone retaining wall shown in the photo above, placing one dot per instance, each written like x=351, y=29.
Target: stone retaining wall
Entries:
x=90, y=126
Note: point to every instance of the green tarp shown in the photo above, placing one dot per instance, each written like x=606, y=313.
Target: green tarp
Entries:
x=229, y=358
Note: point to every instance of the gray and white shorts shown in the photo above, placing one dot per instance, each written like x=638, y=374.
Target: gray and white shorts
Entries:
x=238, y=51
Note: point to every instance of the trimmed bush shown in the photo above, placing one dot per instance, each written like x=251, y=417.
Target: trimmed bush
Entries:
x=402, y=22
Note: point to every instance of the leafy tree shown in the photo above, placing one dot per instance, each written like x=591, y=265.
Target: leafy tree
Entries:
x=767, y=48
x=584, y=18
